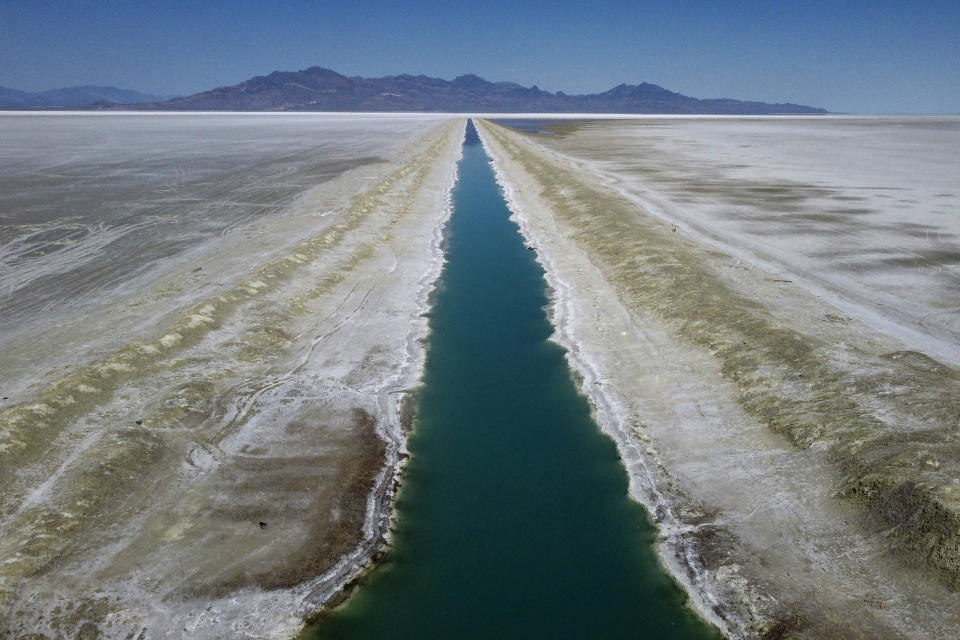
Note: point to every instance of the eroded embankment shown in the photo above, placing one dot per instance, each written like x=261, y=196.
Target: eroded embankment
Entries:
x=871, y=423
x=227, y=476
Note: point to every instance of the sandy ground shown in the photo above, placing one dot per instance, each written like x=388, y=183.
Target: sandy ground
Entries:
x=797, y=445
x=208, y=450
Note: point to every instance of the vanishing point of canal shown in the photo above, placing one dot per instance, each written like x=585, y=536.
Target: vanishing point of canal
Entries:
x=513, y=520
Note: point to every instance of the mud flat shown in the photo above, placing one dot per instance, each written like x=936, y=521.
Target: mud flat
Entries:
x=787, y=411
x=201, y=426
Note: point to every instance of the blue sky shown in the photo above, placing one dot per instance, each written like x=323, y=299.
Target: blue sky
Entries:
x=865, y=57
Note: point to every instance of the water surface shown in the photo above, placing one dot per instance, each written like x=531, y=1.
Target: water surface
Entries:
x=513, y=520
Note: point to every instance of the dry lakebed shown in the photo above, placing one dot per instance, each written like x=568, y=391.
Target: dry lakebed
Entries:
x=211, y=326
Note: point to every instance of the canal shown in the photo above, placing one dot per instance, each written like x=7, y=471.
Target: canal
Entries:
x=513, y=520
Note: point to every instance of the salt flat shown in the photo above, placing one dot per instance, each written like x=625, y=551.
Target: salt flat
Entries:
x=764, y=315
x=863, y=210
x=209, y=323
x=101, y=206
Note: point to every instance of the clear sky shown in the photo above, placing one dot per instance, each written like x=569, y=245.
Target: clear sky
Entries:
x=859, y=56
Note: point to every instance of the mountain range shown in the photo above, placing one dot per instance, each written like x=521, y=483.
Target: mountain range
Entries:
x=319, y=89
x=72, y=97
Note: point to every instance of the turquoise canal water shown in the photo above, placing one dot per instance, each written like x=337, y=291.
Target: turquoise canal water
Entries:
x=513, y=520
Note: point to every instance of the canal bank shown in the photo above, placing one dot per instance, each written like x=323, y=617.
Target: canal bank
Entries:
x=514, y=519
x=706, y=370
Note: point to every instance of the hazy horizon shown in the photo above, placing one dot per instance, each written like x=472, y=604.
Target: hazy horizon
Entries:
x=147, y=91
x=878, y=57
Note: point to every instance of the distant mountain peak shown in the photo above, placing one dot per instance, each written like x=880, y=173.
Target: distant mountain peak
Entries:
x=470, y=80
x=73, y=97
x=317, y=88
x=322, y=71
x=642, y=90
